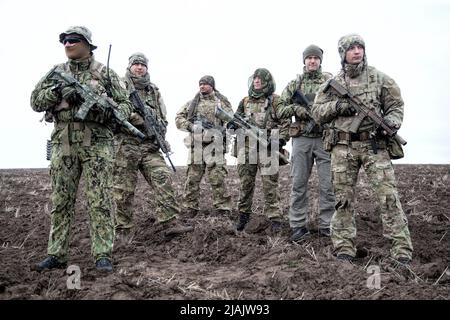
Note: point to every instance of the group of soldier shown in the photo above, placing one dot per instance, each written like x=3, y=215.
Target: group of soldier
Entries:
x=109, y=157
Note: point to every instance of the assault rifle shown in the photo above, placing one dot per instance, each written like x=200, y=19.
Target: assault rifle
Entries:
x=153, y=128
x=302, y=100
x=206, y=124
x=362, y=111
x=252, y=130
x=90, y=99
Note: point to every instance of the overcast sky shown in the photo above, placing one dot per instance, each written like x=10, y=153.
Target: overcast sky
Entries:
x=184, y=40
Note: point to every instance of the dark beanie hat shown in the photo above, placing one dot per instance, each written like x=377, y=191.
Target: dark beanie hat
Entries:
x=313, y=50
x=208, y=80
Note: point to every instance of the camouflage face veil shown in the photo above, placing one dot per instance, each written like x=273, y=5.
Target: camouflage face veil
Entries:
x=268, y=85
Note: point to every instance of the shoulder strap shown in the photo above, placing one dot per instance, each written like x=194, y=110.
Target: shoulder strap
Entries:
x=192, y=106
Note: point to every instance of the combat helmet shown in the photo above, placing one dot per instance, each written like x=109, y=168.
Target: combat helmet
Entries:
x=82, y=31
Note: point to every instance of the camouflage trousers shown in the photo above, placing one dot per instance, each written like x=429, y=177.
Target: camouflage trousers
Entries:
x=216, y=176
x=346, y=162
x=132, y=156
x=247, y=176
x=94, y=163
x=306, y=151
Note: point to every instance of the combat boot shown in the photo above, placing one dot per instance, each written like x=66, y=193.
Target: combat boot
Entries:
x=345, y=257
x=51, y=262
x=324, y=232
x=403, y=261
x=299, y=233
x=275, y=226
x=243, y=220
x=104, y=264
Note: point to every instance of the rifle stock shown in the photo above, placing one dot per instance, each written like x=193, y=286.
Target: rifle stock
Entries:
x=362, y=111
x=151, y=125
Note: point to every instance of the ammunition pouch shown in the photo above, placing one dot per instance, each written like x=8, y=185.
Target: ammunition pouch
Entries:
x=329, y=139
x=394, y=148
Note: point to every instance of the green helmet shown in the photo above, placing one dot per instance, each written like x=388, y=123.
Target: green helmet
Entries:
x=348, y=40
x=80, y=30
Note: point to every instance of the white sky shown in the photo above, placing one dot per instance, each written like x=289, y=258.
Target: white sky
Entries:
x=184, y=40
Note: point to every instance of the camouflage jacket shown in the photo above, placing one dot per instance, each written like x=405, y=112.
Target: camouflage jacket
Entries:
x=308, y=83
x=258, y=113
x=373, y=87
x=152, y=99
x=206, y=107
x=92, y=73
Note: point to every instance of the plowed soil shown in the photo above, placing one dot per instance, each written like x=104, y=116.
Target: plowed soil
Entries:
x=213, y=261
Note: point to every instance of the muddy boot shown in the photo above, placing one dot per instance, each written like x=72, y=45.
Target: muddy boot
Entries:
x=345, y=257
x=324, y=232
x=104, y=265
x=243, y=220
x=404, y=261
x=191, y=213
x=275, y=226
x=299, y=234
x=51, y=262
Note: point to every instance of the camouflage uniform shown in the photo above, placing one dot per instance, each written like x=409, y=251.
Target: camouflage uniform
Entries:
x=350, y=152
x=132, y=156
x=204, y=105
x=81, y=148
x=260, y=109
x=307, y=147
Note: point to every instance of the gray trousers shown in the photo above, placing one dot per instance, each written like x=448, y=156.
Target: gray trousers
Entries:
x=304, y=152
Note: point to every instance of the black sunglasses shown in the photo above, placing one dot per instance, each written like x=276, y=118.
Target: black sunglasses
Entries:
x=71, y=40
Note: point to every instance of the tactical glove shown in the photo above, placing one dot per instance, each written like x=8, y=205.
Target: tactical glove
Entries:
x=69, y=93
x=136, y=119
x=345, y=109
x=232, y=126
x=391, y=124
x=301, y=112
x=153, y=147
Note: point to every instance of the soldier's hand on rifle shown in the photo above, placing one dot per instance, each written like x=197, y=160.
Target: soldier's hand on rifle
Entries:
x=196, y=127
x=300, y=112
x=70, y=94
x=232, y=126
x=153, y=147
x=394, y=126
x=136, y=119
x=345, y=109
x=166, y=143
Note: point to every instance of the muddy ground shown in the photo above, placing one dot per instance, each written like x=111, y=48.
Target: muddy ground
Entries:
x=214, y=261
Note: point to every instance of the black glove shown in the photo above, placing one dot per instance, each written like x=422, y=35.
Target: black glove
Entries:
x=345, y=109
x=282, y=143
x=394, y=126
x=232, y=126
x=70, y=94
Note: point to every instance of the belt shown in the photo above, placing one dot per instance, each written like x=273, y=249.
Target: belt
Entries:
x=349, y=136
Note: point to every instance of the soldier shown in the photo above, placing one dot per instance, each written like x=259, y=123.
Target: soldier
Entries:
x=80, y=148
x=260, y=109
x=366, y=148
x=195, y=116
x=132, y=155
x=307, y=146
